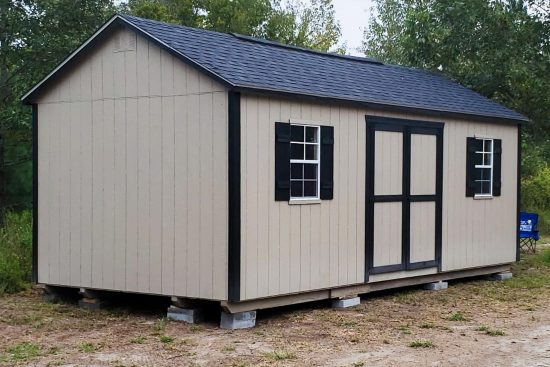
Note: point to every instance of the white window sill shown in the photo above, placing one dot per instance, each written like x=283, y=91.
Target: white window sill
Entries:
x=483, y=197
x=304, y=201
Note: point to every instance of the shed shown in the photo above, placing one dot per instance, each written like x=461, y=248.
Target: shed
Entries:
x=208, y=166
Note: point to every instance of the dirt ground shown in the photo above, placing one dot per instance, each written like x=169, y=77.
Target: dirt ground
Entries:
x=473, y=323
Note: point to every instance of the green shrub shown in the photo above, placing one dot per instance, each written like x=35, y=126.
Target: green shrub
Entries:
x=535, y=197
x=15, y=252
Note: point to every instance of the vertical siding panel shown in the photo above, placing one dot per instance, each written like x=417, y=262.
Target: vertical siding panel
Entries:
x=108, y=72
x=97, y=194
x=86, y=81
x=142, y=65
x=167, y=71
x=192, y=81
x=45, y=127
x=155, y=74
x=325, y=229
x=273, y=227
x=220, y=194
x=206, y=188
x=97, y=76
x=108, y=193
x=65, y=194
x=120, y=194
x=194, y=204
x=205, y=83
x=361, y=194
x=132, y=198
x=251, y=208
x=180, y=77
x=244, y=195
x=143, y=195
x=74, y=191
x=119, y=75
x=130, y=73
x=155, y=194
x=181, y=191
x=168, y=200
x=55, y=145
x=344, y=197
x=263, y=197
x=285, y=221
x=335, y=204
x=352, y=196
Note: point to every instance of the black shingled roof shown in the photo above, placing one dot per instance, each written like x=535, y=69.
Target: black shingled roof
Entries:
x=249, y=63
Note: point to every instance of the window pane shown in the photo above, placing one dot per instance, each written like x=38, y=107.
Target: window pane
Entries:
x=297, y=133
x=479, y=145
x=479, y=188
x=296, y=151
x=296, y=170
x=488, y=145
x=310, y=188
x=478, y=159
x=486, y=187
x=483, y=174
x=311, y=152
x=311, y=134
x=296, y=189
x=487, y=159
x=310, y=171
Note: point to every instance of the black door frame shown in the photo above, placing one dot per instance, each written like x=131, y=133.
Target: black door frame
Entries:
x=406, y=127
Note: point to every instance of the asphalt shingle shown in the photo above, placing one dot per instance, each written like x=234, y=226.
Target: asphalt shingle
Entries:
x=246, y=62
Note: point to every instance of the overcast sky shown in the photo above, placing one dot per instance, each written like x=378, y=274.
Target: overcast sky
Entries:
x=353, y=16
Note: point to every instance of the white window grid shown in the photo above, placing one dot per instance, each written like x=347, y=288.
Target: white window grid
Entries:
x=316, y=162
x=486, y=153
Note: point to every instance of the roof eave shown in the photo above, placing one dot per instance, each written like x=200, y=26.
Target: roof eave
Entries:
x=115, y=20
x=380, y=106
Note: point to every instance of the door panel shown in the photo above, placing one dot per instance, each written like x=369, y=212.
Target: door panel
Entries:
x=404, y=192
x=423, y=164
x=422, y=232
x=387, y=234
x=388, y=169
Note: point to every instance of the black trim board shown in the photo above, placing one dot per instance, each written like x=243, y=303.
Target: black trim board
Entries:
x=518, y=200
x=34, y=275
x=407, y=128
x=234, y=204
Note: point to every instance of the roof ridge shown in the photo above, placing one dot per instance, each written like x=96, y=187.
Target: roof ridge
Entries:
x=268, y=42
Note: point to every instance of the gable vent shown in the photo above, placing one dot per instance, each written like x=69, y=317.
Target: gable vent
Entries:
x=125, y=41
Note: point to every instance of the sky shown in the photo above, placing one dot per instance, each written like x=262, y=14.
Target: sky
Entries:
x=353, y=16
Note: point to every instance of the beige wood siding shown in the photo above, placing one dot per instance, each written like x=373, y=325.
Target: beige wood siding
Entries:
x=292, y=248
x=387, y=234
x=133, y=174
x=422, y=236
x=423, y=164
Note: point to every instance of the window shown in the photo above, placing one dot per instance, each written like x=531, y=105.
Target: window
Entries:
x=484, y=168
x=304, y=162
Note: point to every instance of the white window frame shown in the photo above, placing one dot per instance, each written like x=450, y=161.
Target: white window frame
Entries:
x=317, y=161
x=483, y=153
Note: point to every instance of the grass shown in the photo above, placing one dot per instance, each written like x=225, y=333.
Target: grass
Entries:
x=166, y=339
x=427, y=326
x=21, y=352
x=15, y=252
x=456, y=316
x=421, y=343
x=86, y=347
x=280, y=355
x=138, y=340
x=490, y=332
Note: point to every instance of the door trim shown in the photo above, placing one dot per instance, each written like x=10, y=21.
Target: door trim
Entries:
x=407, y=127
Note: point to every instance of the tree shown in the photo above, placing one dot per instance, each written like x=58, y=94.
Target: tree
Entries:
x=311, y=24
x=498, y=48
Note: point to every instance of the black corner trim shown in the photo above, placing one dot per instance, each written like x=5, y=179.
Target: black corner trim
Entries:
x=34, y=275
x=518, y=200
x=234, y=187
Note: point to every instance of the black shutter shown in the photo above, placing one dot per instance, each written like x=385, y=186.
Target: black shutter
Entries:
x=471, y=147
x=497, y=157
x=327, y=163
x=282, y=161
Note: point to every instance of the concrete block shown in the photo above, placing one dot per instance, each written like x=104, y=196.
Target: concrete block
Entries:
x=501, y=276
x=346, y=302
x=93, y=304
x=240, y=320
x=188, y=315
x=436, y=286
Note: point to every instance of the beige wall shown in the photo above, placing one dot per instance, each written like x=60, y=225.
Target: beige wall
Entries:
x=133, y=174
x=292, y=248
